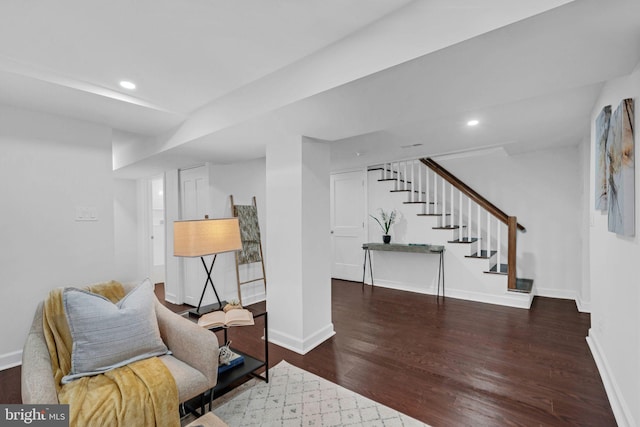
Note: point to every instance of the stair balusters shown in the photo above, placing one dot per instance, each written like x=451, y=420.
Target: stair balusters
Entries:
x=430, y=185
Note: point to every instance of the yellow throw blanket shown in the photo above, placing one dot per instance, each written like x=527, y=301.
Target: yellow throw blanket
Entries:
x=142, y=393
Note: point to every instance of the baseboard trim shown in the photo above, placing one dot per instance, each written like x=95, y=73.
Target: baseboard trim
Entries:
x=10, y=360
x=508, y=299
x=399, y=286
x=301, y=346
x=172, y=298
x=555, y=293
x=252, y=299
x=619, y=407
x=583, y=306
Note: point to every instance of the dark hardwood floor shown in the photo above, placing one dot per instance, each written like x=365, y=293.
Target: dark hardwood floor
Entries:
x=456, y=363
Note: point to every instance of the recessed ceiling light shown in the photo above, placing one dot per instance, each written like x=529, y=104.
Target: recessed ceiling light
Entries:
x=128, y=85
x=472, y=122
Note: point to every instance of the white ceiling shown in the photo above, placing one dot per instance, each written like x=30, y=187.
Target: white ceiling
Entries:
x=217, y=80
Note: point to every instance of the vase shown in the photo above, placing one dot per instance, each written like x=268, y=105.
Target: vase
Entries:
x=386, y=238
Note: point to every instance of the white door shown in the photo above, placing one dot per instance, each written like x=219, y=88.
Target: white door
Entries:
x=347, y=224
x=194, y=204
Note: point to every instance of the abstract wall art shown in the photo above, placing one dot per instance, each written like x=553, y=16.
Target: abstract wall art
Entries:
x=602, y=133
x=620, y=167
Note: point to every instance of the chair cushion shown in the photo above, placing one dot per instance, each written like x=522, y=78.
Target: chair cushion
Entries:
x=189, y=380
x=107, y=335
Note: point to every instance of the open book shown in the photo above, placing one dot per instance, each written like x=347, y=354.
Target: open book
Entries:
x=215, y=319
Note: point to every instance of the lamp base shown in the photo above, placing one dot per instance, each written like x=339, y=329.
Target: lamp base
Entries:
x=207, y=309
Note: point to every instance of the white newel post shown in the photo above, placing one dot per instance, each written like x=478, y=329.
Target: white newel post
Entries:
x=460, y=230
x=435, y=194
x=406, y=177
x=427, y=191
x=499, y=242
x=444, y=204
x=453, y=206
x=413, y=182
x=419, y=172
x=479, y=229
x=469, y=222
x=488, y=234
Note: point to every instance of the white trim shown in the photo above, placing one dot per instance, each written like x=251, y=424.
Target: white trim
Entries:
x=508, y=299
x=583, y=306
x=318, y=338
x=10, y=360
x=555, y=293
x=472, y=152
x=252, y=299
x=491, y=150
x=353, y=169
x=401, y=286
x=619, y=407
x=301, y=347
x=172, y=298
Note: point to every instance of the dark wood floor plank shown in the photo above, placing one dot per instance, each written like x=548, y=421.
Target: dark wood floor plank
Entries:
x=447, y=363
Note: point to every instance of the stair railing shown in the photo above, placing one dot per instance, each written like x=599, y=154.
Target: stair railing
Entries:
x=510, y=221
x=439, y=200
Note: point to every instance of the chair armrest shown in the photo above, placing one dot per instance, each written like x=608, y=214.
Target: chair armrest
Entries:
x=192, y=344
x=37, y=382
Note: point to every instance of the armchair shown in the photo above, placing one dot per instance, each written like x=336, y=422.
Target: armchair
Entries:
x=193, y=362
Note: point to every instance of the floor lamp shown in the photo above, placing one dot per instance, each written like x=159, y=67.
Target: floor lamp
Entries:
x=198, y=238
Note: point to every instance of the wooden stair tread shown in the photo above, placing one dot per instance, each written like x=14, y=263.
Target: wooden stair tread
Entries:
x=403, y=185
x=464, y=240
x=523, y=286
x=504, y=268
x=382, y=169
x=482, y=255
x=393, y=179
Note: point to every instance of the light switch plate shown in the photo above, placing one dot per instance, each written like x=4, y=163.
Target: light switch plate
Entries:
x=86, y=213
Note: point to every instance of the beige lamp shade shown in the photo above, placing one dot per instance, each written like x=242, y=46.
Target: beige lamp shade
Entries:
x=206, y=237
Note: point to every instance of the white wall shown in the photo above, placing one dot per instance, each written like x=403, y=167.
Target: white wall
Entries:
x=404, y=271
x=543, y=190
x=614, y=269
x=584, y=298
x=48, y=167
x=243, y=181
x=125, y=218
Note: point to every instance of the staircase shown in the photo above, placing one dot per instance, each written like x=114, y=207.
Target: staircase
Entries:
x=472, y=222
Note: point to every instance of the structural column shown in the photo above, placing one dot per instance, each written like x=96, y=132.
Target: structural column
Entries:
x=298, y=255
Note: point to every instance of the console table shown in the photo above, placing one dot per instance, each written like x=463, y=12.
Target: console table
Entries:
x=401, y=247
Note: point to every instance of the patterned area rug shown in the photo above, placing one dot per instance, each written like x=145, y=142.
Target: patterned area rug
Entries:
x=294, y=397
